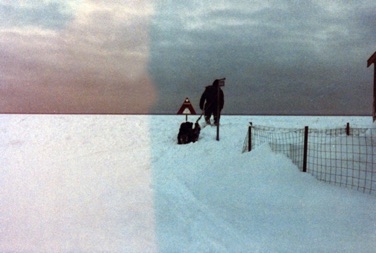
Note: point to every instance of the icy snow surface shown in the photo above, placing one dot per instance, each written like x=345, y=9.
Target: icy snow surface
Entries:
x=89, y=183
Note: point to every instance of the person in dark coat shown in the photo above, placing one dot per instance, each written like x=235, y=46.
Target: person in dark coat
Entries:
x=209, y=100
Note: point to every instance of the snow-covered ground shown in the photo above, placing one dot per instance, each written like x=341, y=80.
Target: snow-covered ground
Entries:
x=94, y=183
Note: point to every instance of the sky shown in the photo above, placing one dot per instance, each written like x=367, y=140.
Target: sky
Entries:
x=96, y=56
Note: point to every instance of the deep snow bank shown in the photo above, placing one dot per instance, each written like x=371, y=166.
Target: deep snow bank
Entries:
x=78, y=183
x=122, y=184
x=209, y=197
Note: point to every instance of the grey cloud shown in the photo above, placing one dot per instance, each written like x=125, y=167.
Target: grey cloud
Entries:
x=51, y=15
x=96, y=64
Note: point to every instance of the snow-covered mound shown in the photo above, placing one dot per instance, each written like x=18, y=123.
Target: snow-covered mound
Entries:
x=122, y=184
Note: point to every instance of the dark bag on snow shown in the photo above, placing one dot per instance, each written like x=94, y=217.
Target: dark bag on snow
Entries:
x=187, y=133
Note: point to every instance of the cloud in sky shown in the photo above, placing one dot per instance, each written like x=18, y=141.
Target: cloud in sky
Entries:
x=85, y=57
x=51, y=15
x=94, y=56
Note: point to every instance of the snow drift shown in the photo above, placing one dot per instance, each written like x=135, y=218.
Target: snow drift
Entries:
x=121, y=183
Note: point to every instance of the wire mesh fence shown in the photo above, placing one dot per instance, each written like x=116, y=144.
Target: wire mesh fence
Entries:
x=341, y=156
x=282, y=140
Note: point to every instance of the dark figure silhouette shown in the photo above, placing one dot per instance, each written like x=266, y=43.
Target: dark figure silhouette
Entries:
x=209, y=101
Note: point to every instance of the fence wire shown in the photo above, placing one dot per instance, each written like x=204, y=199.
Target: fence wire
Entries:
x=282, y=140
x=344, y=157
x=345, y=160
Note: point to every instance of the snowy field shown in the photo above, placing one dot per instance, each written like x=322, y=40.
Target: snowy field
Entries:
x=96, y=183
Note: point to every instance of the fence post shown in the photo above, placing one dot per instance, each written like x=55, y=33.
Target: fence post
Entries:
x=305, y=149
x=250, y=137
x=348, y=129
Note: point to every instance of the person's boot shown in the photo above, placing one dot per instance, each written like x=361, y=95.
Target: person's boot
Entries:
x=216, y=121
x=207, y=120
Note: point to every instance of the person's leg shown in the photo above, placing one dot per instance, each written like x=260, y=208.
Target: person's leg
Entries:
x=216, y=119
x=207, y=116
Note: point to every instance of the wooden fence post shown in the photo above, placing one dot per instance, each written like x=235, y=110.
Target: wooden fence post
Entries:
x=305, y=149
x=250, y=137
x=370, y=61
x=348, y=129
